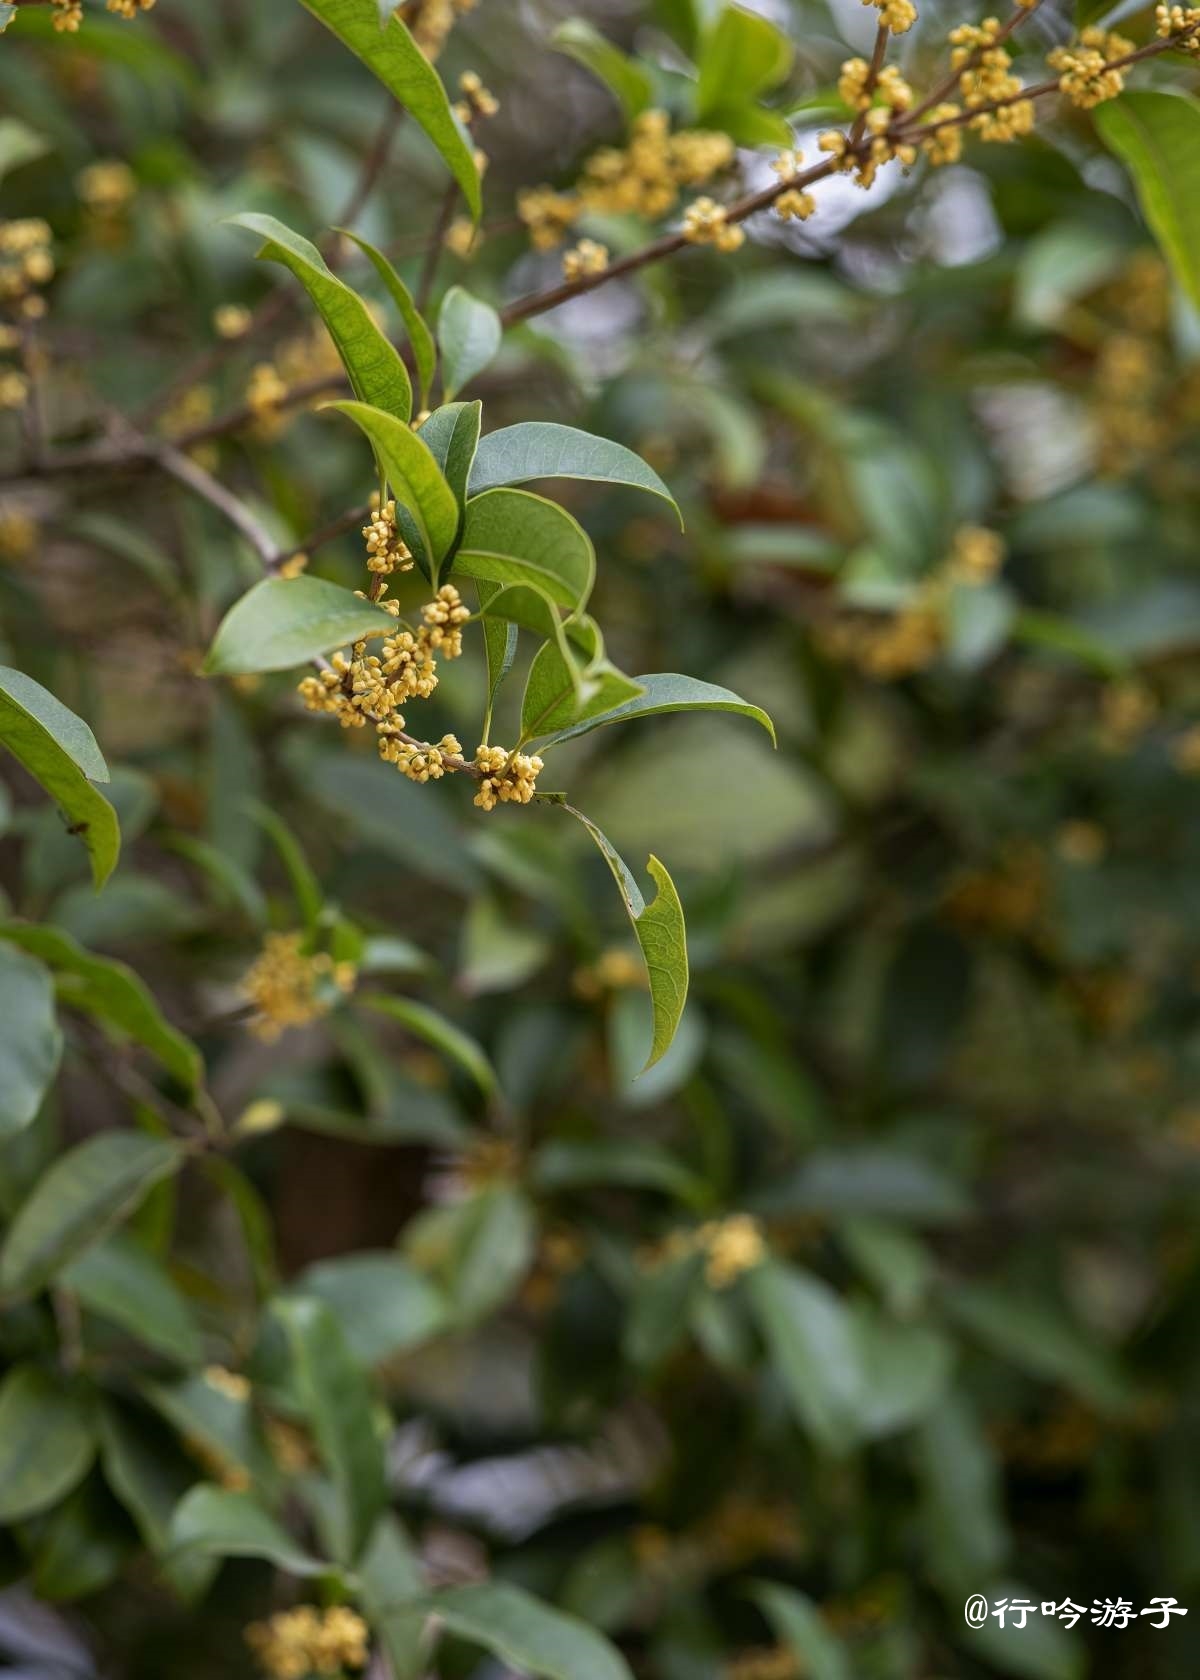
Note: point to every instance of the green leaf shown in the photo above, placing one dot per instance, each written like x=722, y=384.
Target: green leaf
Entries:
x=1031, y=1333
x=59, y=751
x=751, y=125
x=78, y=1200
x=451, y=434
x=392, y=55
x=284, y=622
x=383, y=1305
x=542, y=449
x=604, y=689
x=961, y=1481
x=414, y=479
x=30, y=1039
x=1157, y=137
x=528, y=1635
x=214, y=1522
x=500, y=637
x=306, y=889
x=392, y=1597
x=376, y=370
x=477, y=1250
x=799, y=1625
x=149, y=1478
x=419, y=336
x=741, y=56
x=469, y=334
x=660, y=932
x=122, y=1282
x=427, y=1024
x=112, y=993
x=76, y=1549
x=554, y=685
x=627, y=80
x=813, y=1350
x=513, y=536
x=666, y=692
x=18, y=143
x=47, y=1441
x=224, y=1423
x=337, y=1402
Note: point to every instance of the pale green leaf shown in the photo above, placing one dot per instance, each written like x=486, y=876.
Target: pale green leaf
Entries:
x=47, y=1441
x=284, y=622
x=338, y=1405
x=631, y=85
x=666, y=692
x=513, y=536
x=469, y=334
x=539, y=449
x=414, y=478
x=18, y=142
x=30, y=1039
x=419, y=336
x=111, y=992
x=78, y=1200
x=376, y=370
x=813, y=1349
x=528, y=1635
x=391, y=54
x=392, y=1587
x=215, y=1522
x=661, y=933
x=476, y=1250
x=59, y=751
x=799, y=1625
x=383, y=1305
x=1157, y=137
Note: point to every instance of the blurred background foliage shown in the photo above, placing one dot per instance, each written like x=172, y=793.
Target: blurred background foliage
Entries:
x=942, y=1044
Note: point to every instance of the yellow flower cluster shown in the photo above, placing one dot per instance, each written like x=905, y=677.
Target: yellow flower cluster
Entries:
x=730, y=1247
x=898, y=16
x=432, y=20
x=1185, y=751
x=614, y=970
x=945, y=144
x=976, y=555
x=705, y=222
x=1007, y=898
x=67, y=15
x=644, y=178
x=294, y=1644
x=586, y=258
x=793, y=204
x=418, y=760
x=231, y=320
x=288, y=986
x=1086, y=73
x=771, y=1662
x=1127, y=710
x=26, y=262
x=106, y=187
x=985, y=76
x=858, y=90
x=508, y=777
x=1183, y=21
x=129, y=8
x=18, y=534
x=477, y=100
x=266, y=393
x=387, y=551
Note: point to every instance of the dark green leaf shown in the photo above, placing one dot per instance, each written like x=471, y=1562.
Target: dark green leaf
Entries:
x=121, y=1281
x=30, y=1039
x=284, y=622
x=451, y=434
x=513, y=536
x=47, y=1441
x=376, y=370
x=540, y=449
x=419, y=336
x=666, y=692
x=813, y=1349
x=59, y=751
x=799, y=1625
x=427, y=1024
x=527, y=1634
x=414, y=479
x=391, y=54
x=78, y=1200
x=216, y=1523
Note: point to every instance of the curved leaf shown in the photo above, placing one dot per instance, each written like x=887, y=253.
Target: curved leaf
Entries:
x=337, y=1402
x=47, y=1441
x=374, y=365
x=814, y=1351
x=513, y=536
x=527, y=1634
x=666, y=692
x=742, y=55
x=451, y=434
x=122, y=1282
x=217, y=1523
x=543, y=449
x=622, y=76
x=78, y=1200
x=112, y=992
x=414, y=478
x=284, y=622
x=384, y=1305
x=419, y=336
x=1157, y=136
x=799, y=1625
x=469, y=334
x=391, y=54
x=59, y=751
x=661, y=933
x=444, y=1035
x=30, y=1039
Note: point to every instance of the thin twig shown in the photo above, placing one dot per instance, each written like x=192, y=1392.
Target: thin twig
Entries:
x=433, y=254
x=185, y=471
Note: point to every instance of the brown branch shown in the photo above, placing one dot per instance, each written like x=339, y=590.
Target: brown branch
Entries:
x=436, y=244
x=185, y=471
x=950, y=82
